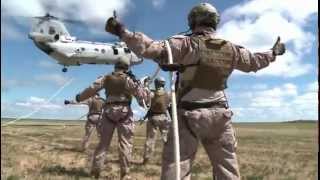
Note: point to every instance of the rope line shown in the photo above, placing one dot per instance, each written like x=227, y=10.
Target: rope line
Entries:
x=39, y=108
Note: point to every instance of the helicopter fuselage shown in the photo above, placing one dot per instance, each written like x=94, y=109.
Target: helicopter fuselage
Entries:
x=51, y=36
x=85, y=52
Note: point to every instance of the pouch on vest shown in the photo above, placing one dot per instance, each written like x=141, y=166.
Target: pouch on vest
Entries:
x=159, y=102
x=115, y=85
x=215, y=57
x=96, y=105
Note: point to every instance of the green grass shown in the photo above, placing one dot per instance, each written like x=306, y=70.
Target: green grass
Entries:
x=50, y=150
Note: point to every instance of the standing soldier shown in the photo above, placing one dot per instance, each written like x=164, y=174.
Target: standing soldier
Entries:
x=95, y=105
x=119, y=87
x=157, y=117
x=205, y=63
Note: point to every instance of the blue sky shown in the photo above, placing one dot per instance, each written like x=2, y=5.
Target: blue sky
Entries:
x=286, y=90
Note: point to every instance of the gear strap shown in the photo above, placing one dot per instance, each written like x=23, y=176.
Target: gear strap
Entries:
x=177, y=67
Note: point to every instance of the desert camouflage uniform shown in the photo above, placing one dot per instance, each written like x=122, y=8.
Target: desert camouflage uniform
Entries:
x=117, y=114
x=210, y=125
x=93, y=118
x=156, y=120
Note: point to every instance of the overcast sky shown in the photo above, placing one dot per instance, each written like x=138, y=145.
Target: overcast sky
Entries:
x=286, y=90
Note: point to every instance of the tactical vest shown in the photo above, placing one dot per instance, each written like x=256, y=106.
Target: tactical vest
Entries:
x=115, y=85
x=214, y=64
x=159, y=102
x=96, y=105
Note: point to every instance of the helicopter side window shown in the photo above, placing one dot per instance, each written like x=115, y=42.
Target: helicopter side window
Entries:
x=52, y=30
x=115, y=50
x=96, y=49
x=41, y=31
x=127, y=50
x=103, y=51
x=82, y=49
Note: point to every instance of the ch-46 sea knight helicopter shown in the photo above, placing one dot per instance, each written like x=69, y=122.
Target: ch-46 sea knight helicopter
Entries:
x=50, y=35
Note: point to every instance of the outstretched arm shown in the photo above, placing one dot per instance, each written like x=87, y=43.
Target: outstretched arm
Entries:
x=139, y=43
x=252, y=62
x=95, y=87
x=73, y=102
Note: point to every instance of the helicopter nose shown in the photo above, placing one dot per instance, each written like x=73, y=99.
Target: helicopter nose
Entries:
x=30, y=36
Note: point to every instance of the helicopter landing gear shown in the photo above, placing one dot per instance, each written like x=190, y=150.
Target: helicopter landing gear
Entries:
x=64, y=69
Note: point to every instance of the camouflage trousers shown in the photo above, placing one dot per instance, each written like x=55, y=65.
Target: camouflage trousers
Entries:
x=161, y=122
x=93, y=122
x=121, y=118
x=213, y=128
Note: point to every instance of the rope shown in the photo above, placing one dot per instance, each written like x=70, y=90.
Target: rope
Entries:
x=38, y=109
x=174, y=117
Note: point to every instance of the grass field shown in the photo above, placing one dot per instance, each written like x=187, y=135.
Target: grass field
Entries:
x=49, y=150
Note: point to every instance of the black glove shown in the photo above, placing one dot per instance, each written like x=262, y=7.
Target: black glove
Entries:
x=278, y=48
x=114, y=27
x=66, y=102
x=132, y=76
x=78, y=97
x=172, y=67
x=147, y=81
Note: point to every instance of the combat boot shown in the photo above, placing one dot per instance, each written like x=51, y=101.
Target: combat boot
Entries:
x=126, y=177
x=145, y=161
x=164, y=137
x=95, y=173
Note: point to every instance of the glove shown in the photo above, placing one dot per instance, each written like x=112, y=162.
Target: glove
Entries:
x=147, y=82
x=132, y=76
x=66, y=102
x=78, y=97
x=278, y=48
x=114, y=27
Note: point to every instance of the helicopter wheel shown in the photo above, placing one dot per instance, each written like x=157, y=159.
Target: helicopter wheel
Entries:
x=64, y=69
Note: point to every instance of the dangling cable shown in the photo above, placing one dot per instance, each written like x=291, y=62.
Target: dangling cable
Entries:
x=174, y=116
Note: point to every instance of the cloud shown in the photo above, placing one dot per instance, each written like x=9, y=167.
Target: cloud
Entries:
x=313, y=87
x=8, y=84
x=256, y=25
x=40, y=108
x=45, y=63
x=279, y=103
x=94, y=14
x=4, y=87
x=8, y=31
x=275, y=97
x=57, y=79
x=39, y=103
x=158, y=4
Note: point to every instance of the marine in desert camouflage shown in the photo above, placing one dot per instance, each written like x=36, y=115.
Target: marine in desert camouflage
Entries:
x=117, y=114
x=204, y=63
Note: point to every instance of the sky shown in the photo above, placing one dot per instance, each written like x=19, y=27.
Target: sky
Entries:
x=286, y=90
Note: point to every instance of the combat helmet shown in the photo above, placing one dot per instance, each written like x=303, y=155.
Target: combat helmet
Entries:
x=203, y=14
x=123, y=62
x=159, y=82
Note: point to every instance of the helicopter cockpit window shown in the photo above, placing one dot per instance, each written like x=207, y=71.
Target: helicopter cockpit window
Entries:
x=52, y=30
x=56, y=37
